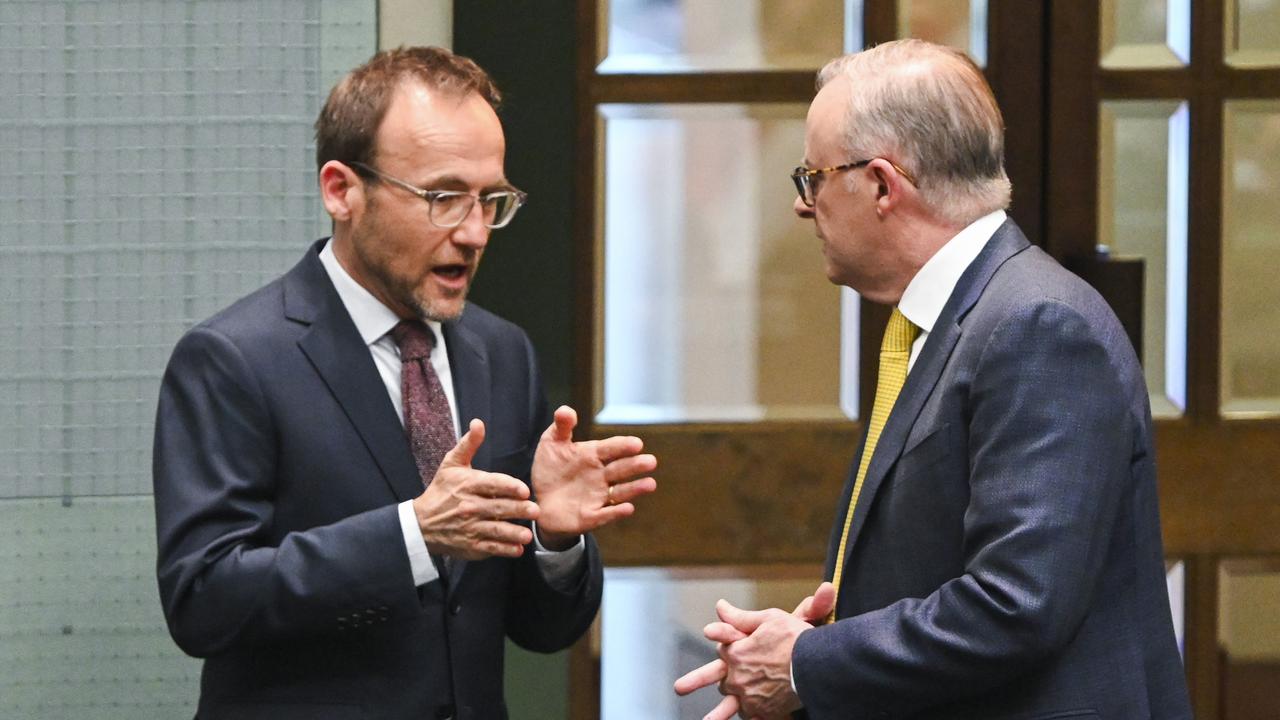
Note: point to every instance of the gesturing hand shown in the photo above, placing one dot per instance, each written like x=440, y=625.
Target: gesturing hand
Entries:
x=464, y=512
x=583, y=485
x=736, y=625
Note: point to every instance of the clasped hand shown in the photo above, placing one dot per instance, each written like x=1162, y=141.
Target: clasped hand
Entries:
x=754, y=669
x=467, y=513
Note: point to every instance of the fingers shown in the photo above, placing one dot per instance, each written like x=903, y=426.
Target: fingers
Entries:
x=617, y=447
x=725, y=710
x=562, y=425
x=745, y=620
x=824, y=601
x=629, y=467
x=462, y=453
x=709, y=674
x=723, y=633
x=624, y=492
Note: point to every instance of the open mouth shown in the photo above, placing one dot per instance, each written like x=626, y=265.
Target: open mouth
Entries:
x=451, y=273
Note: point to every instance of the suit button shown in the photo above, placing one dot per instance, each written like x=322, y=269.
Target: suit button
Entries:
x=455, y=608
x=444, y=712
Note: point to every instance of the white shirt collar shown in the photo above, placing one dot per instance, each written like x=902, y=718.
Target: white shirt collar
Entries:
x=929, y=290
x=372, y=319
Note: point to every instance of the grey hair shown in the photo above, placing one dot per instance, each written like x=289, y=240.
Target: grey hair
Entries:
x=928, y=108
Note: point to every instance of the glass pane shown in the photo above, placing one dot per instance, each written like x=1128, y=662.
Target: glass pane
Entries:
x=1145, y=33
x=1142, y=213
x=676, y=35
x=1250, y=256
x=1175, y=578
x=1253, y=33
x=716, y=305
x=960, y=24
x=81, y=631
x=651, y=631
x=1249, y=638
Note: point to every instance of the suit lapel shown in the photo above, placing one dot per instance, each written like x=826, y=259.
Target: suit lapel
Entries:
x=334, y=348
x=469, y=368
x=1007, y=241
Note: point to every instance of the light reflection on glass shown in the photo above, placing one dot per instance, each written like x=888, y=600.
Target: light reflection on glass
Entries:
x=1145, y=33
x=682, y=35
x=1250, y=370
x=1142, y=212
x=716, y=302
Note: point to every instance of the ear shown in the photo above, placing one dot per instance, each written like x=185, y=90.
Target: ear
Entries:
x=891, y=186
x=341, y=190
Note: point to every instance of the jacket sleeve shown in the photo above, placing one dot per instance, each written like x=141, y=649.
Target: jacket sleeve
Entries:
x=224, y=582
x=1050, y=442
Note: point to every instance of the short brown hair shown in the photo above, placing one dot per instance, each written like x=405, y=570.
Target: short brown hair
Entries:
x=348, y=124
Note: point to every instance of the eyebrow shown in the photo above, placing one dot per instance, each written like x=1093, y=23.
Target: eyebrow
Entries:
x=453, y=182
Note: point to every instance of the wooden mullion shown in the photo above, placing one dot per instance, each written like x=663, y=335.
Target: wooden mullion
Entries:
x=1203, y=664
x=1147, y=84
x=586, y=291
x=584, y=668
x=879, y=21
x=1204, y=228
x=1016, y=70
x=1071, y=186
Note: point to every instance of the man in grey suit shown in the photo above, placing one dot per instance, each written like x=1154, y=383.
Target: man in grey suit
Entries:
x=323, y=543
x=997, y=549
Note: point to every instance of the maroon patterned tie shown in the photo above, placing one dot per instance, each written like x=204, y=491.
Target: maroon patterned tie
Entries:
x=427, y=419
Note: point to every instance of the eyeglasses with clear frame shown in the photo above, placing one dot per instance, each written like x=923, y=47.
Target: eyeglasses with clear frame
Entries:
x=450, y=207
x=807, y=180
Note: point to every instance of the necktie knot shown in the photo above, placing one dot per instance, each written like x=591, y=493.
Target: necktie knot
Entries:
x=414, y=339
x=899, y=333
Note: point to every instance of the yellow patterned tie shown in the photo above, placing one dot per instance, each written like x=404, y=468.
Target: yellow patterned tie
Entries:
x=895, y=350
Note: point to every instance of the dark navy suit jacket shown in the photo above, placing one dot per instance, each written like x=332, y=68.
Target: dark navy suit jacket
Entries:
x=1005, y=554
x=279, y=462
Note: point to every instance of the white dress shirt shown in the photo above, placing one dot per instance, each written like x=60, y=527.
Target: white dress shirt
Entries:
x=929, y=290
x=374, y=322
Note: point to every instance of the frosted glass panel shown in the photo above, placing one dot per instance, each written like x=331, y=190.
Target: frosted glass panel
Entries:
x=81, y=633
x=651, y=631
x=1142, y=212
x=678, y=35
x=716, y=305
x=1250, y=255
x=1253, y=33
x=157, y=165
x=1249, y=637
x=1145, y=33
x=959, y=23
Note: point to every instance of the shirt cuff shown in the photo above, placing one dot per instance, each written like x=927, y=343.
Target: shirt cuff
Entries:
x=560, y=568
x=424, y=571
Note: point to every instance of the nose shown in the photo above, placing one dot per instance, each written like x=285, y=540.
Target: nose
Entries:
x=471, y=232
x=801, y=209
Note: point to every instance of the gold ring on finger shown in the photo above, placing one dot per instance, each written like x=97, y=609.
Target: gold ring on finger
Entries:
x=610, y=500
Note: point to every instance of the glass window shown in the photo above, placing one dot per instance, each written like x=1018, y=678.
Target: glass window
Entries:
x=961, y=25
x=716, y=303
x=1249, y=637
x=1142, y=212
x=651, y=630
x=682, y=35
x=1253, y=33
x=1250, y=377
x=1145, y=33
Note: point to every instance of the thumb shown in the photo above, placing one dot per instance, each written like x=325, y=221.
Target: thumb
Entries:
x=468, y=444
x=745, y=621
x=818, y=605
x=561, y=430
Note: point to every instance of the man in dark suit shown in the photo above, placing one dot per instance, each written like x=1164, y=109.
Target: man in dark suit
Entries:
x=997, y=549
x=323, y=543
